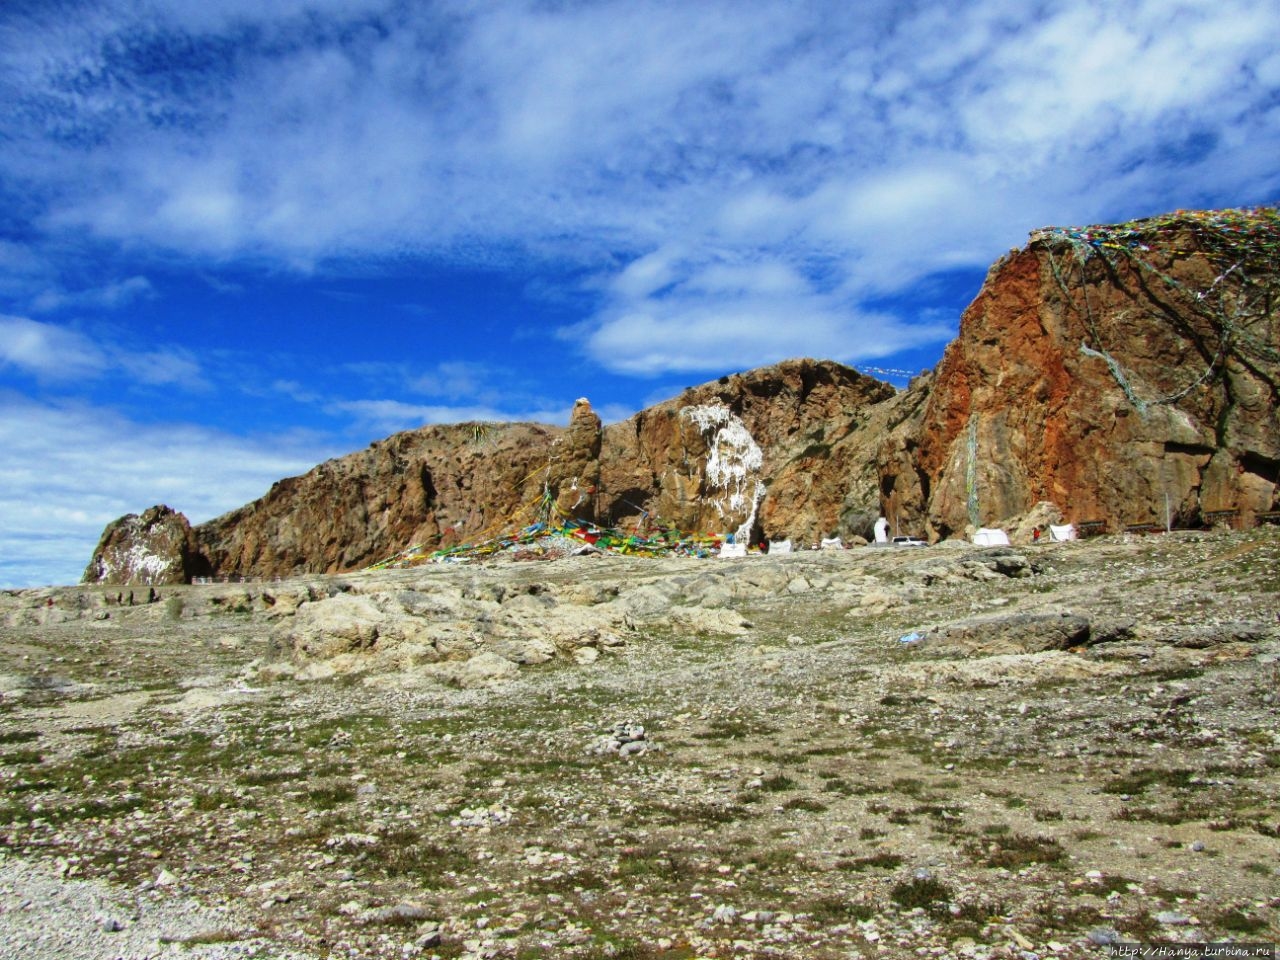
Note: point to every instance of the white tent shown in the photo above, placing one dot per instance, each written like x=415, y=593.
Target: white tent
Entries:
x=733, y=551
x=1059, y=534
x=989, y=537
x=779, y=546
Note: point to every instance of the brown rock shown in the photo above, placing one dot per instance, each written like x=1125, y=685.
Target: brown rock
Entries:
x=784, y=451
x=573, y=467
x=817, y=425
x=155, y=547
x=434, y=487
x=1121, y=374
x=1128, y=375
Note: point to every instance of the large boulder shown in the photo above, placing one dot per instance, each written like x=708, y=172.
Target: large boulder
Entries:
x=155, y=547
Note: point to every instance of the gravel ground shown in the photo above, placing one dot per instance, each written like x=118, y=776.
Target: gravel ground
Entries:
x=45, y=915
x=1077, y=744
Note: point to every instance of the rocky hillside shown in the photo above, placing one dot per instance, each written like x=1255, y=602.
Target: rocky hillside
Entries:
x=788, y=450
x=1122, y=374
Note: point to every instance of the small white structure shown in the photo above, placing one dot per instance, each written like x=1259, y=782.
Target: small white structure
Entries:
x=1060, y=534
x=991, y=537
x=779, y=546
x=882, y=530
x=732, y=551
x=834, y=543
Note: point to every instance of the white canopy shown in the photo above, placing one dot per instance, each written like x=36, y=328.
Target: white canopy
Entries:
x=990, y=537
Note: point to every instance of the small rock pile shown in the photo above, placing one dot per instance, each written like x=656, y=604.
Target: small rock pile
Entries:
x=625, y=738
x=482, y=817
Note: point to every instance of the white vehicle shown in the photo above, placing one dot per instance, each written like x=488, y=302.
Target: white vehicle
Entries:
x=909, y=542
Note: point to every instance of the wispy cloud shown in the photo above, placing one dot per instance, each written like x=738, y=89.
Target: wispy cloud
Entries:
x=50, y=518
x=669, y=313
x=886, y=142
x=112, y=296
x=46, y=351
x=388, y=415
x=54, y=353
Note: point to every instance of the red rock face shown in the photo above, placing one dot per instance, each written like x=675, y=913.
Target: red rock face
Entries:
x=1128, y=375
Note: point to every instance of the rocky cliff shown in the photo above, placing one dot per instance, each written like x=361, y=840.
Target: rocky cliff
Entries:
x=1124, y=374
x=787, y=450
x=784, y=451
x=1127, y=374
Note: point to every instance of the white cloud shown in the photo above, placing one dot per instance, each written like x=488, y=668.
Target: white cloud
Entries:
x=59, y=354
x=109, y=297
x=455, y=379
x=388, y=416
x=47, y=351
x=735, y=315
x=885, y=142
x=68, y=470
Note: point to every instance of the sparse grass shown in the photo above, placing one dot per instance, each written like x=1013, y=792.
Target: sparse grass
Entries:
x=778, y=783
x=735, y=728
x=910, y=786
x=876, y=861
x=217, y=799
x=194, y=795
x=264, y=778
x=654, y=863
x=1105, y=885
x=832, y=910
x=805, y=803
x=403, y=854
x=926, y=892
x=328, y=796
x=1015, y=851
x=708, y=814
x=1136, y=781
x=1238, y=921
x=16, y=758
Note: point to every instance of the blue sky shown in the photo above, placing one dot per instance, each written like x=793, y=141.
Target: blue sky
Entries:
x=237, y=238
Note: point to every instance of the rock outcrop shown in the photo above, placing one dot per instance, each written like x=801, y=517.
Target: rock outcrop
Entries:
x=155, y=547
x=783, y=451
x=437, y=486
x=1122, y=375
x=1126, y=374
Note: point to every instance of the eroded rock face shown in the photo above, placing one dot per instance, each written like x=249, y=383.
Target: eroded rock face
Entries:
x=434, y=486
x=155, y=547
x=1126, y=374
x=784, y=452
x=692, y=461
